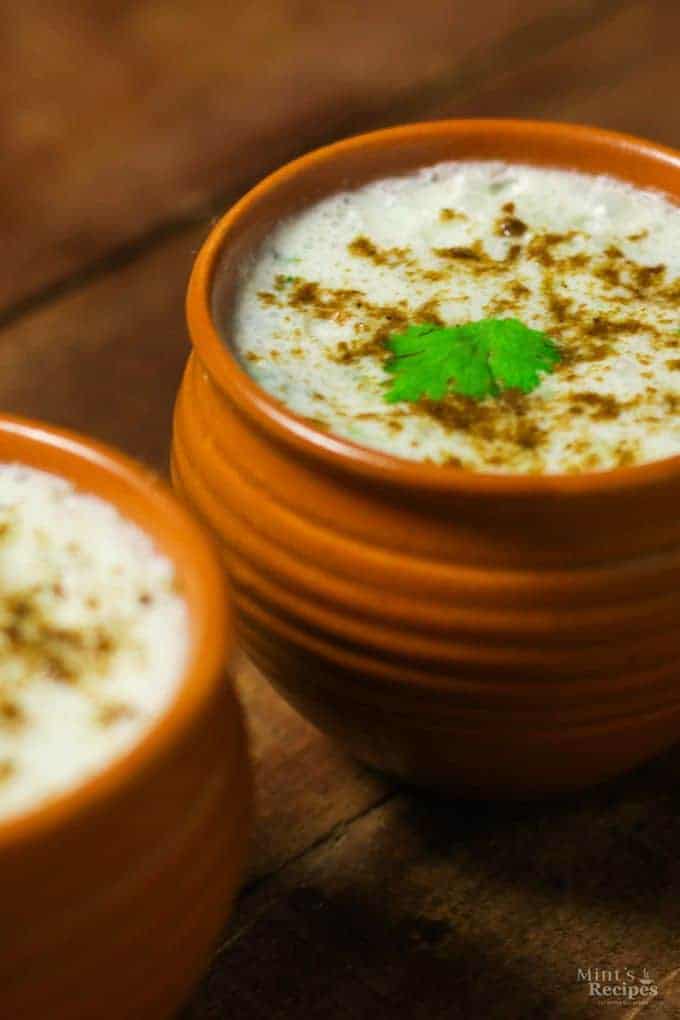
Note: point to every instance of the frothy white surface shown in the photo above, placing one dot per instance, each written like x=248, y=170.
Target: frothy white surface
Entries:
x=292, y=351
x=93, y=636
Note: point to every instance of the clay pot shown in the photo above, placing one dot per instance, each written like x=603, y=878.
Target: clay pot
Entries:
x=112, y=894
x=499, y=635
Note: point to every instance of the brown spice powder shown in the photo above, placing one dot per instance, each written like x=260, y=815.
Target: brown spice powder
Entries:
x=582, y=335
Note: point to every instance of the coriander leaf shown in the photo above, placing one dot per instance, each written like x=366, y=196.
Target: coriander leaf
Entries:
x=476, y=359
x=427, y=358
x=518, y=354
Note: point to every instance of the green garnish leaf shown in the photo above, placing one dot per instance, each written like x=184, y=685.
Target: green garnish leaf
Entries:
x=477, y=359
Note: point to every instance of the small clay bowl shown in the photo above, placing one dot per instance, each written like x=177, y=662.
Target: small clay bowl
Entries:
x=114, y=893
x=490, y=634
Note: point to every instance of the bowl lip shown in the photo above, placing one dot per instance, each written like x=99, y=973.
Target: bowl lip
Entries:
x=197, y=561
x=340, y=454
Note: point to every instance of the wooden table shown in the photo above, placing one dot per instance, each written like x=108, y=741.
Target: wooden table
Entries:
x=127, y=127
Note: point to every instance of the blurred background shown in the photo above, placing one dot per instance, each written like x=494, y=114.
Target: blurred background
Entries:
x=127, y=126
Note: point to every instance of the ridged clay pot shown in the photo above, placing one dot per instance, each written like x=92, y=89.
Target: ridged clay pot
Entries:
x=496, y=635
x=113, y=894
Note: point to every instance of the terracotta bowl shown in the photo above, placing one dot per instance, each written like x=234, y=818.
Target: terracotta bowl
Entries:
x=493, y=634
x=112, y=895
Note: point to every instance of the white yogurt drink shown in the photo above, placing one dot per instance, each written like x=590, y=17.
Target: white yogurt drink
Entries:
x=589, y=261
x=93, y=636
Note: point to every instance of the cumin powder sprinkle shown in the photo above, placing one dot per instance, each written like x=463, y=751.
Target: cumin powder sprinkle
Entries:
x=602, y=303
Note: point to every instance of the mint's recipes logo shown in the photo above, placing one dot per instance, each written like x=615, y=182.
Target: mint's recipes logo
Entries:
x=620, y=986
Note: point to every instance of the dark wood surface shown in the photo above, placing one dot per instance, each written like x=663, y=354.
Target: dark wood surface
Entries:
x=126, y=127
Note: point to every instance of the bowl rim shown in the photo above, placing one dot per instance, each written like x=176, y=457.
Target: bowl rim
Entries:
x=344, y=455
x=198, y=565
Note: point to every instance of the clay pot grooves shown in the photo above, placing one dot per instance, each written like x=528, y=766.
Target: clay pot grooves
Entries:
x=499, y=634
x=113, y=893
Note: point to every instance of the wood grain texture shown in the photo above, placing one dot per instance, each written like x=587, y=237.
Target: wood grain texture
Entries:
x=622, y=74
x=107, y=359
x=307, y=787
x=124, y=126
x=118, y=115
x=443, y=910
